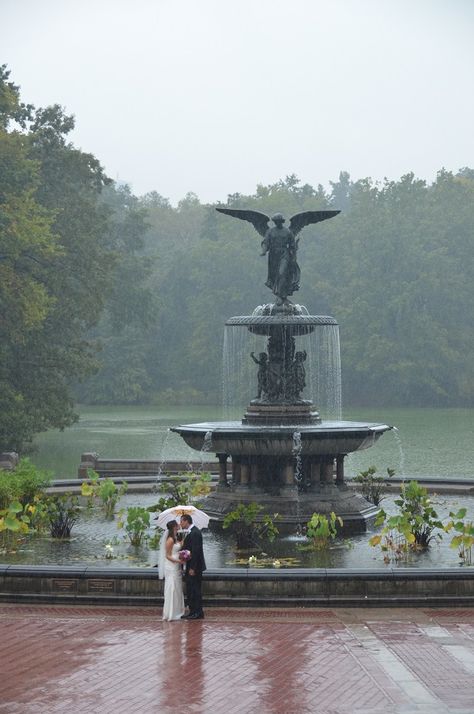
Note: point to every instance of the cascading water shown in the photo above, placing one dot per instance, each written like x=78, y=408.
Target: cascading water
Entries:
x=297, y=447
x=398, y=439
x=299, y=478
x=162, y=460
x=238, y=372
x=206, y=447
x=324, y=370
x=322, y=364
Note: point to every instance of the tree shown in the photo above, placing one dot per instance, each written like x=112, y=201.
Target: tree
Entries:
x=27, y=246
x=130, y=313
x=60, y=250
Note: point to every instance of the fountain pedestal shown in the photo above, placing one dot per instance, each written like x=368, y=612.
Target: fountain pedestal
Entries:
x=303, y=413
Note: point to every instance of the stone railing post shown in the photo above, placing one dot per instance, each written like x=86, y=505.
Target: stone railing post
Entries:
x=88, y=461
x=9, y=460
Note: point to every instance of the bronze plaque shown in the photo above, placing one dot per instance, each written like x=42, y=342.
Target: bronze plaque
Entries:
x=65, y=586
x=101, y=586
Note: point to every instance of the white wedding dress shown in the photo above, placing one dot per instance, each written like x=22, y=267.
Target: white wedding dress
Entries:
x=173, y=606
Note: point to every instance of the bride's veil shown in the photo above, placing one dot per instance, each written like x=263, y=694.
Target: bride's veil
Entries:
x=162, y=555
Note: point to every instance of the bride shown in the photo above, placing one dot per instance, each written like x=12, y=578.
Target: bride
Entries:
x=169, y=568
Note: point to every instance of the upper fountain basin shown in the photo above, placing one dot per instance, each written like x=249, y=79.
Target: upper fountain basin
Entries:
x=327, y=437
x=296, y=324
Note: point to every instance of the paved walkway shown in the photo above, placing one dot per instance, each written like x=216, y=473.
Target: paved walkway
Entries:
x=88, y=660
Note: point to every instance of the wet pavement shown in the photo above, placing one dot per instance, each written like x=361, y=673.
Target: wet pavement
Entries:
x=80, y=659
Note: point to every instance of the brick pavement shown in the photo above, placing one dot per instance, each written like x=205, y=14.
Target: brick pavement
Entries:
x=57, y=659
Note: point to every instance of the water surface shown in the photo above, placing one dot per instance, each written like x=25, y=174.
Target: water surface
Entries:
x=436, y=443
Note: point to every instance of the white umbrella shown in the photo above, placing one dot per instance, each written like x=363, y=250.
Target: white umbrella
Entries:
x=200, y=519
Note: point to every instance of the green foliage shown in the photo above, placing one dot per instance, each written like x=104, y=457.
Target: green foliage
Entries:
x=14, y=525
x=62, y=513
x=412, y=528
x=23, y=483
x=394, y=268
x=250, y=526
x=415, y=508
x=464, y=538
x=103, y=490
x=93, y=278
x=37, y=511
x=373, y=486
x=136, y=522
x=321, y=529
x=387, y=267
x=155, y=539
x=70, y=245
x=186, y=488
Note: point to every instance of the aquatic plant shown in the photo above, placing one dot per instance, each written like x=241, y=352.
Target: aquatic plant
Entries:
x=14, y=525
x=464, y=539
x=185, y=488
x=373, y=485
x=103, y=490
x=321, y=529
x=135, y=520
x=249, y=526
x=412, y=528
x=62, y=512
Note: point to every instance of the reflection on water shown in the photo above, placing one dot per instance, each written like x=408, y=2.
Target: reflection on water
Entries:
x=92, y=532
x=430, y=442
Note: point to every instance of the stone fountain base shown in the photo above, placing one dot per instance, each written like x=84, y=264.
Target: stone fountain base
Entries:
x=295, y=509
x=293, y=470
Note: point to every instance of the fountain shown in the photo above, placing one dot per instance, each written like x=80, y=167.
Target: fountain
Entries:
x=282, y=454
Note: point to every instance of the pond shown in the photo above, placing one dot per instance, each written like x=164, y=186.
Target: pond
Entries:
x=93, y=531
x=435, y=443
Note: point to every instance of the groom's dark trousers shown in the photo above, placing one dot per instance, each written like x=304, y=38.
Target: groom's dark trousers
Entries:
x=193, y=592
x=197, y=564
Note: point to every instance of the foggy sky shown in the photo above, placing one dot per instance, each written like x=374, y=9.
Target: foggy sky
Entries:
x=214, y=96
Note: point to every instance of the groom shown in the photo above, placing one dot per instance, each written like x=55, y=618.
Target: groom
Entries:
x=194, y=568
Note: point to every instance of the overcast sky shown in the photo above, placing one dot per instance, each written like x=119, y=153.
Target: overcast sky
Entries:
x=214, y=96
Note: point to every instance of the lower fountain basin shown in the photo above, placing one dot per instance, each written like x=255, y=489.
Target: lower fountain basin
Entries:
x=327, y=437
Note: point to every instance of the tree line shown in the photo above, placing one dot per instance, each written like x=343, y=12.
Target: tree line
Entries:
x=110, y=298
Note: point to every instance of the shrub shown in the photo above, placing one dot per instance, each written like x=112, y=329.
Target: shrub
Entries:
x=23, y=483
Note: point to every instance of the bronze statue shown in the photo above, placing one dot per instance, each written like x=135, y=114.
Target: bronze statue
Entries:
x=280, y=244
x=262, y=374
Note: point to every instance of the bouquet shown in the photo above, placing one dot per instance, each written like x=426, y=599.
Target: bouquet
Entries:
x=184, y=555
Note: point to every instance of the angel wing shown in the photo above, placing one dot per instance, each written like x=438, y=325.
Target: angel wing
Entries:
x=257, y=219
x=300, y=220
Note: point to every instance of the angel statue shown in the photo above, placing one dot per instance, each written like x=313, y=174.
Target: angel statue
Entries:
x=280, y=244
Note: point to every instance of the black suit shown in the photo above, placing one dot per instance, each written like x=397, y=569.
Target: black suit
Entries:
x=193, y=543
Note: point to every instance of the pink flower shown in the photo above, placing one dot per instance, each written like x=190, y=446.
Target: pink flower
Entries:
x=184, y=554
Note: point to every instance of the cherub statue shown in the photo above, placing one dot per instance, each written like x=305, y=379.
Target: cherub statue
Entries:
x=280, y=244
x=262, y=374
x=300, y=372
